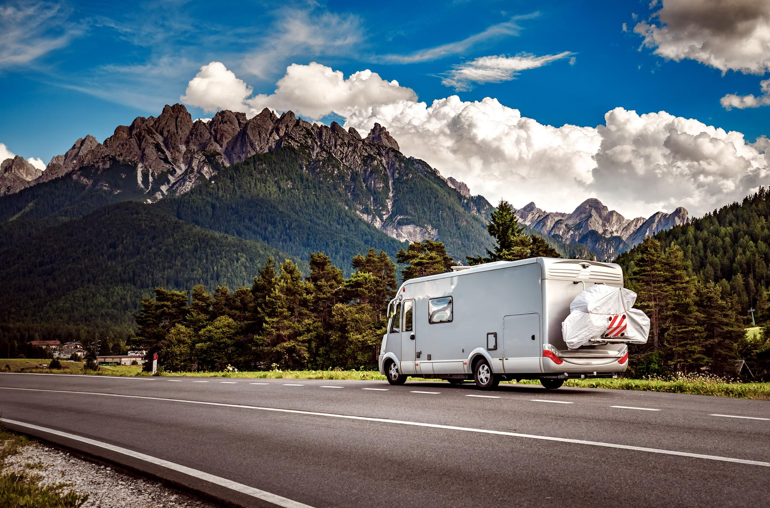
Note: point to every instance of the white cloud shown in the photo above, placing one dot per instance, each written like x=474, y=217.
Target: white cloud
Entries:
x=496, y=69
x=312, y=91
x=505, y=29
x=307, y=34
x=625, y=27
x=637, y=164
x=37, y=162
x=730, y=101
x=30, y=29
x=724, y=34
x=5, y=153
x=214, y=88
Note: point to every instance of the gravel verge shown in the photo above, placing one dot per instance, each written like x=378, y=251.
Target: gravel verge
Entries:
x=104, y=486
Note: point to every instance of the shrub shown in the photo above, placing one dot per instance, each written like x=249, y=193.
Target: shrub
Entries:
x=55, y=364
x=75, y=357
x=134, y=362
x=91, y=365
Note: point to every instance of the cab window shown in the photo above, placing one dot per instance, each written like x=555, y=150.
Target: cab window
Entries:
x=408, y=316
x=395, y=322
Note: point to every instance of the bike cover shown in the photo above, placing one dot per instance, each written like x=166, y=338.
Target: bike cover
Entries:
x=603, y=313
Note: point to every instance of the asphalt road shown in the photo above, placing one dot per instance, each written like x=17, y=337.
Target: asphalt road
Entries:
x=354, y=443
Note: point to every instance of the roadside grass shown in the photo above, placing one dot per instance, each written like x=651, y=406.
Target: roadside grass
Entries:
x=693, y=385
x=24, y=488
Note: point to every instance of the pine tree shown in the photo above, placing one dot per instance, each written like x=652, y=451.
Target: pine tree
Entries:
x=424, y=258
x=650, y=282
x=512, y=243
x=723, y=333
x=384, y=271
x=683, y=338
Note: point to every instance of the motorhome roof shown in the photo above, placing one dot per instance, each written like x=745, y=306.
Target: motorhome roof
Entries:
x=496, y=265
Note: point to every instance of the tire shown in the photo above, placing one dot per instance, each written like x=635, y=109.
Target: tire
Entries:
x=393, y=375
x=552, y=384
x=455, y=382
x=483, y=375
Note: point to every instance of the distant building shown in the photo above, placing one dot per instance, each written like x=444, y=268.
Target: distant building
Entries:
x=120, y=359
x=46, y=344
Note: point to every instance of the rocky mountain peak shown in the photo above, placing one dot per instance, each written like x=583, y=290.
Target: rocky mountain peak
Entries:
x=16, y=174
x=379, y=134
x=595, y=226
x=459, y=186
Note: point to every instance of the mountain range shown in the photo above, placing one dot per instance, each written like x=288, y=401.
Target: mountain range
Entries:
x=173, y=202
x=603, y=231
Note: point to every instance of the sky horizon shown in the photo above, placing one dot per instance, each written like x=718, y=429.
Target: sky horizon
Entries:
x=646, y=106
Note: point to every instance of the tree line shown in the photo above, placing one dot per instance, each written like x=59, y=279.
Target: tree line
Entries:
x=320, y=321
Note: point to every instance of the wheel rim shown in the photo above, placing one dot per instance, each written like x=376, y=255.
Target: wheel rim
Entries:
x=484, y=373
x=393, y=371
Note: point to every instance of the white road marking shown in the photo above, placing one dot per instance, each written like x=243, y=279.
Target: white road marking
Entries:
x=217, y=480
x=174, y=380
x=229, y=382
x=637, y=408
x=387, y=421
x=484, y=396
x=77, y=375
x=260, y=384
x=426, y=393
x=552, y=401
x=292, y=384
x=200, y=381
x=332, y=386
x=744, y=417
x=376, y=389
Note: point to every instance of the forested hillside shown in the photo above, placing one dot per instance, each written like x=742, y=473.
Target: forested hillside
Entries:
x=89, y=274
x=698, y=283
x=729, y=247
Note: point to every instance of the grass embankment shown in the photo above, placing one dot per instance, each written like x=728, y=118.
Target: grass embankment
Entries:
x=24, y=488
x=694, y=385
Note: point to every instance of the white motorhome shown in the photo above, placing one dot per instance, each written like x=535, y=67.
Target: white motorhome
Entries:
x=497, y=321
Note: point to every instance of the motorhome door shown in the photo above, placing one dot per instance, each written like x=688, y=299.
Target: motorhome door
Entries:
x=522, y=343
x=408, y=338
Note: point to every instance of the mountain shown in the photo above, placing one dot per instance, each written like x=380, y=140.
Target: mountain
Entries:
x=156, y=158
x=605, y=232
x=88, y=275
x=171, y=202
x=16, y=174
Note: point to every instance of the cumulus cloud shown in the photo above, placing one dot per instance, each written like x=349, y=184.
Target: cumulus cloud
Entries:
x=5, y=153
x=496, y=69
x=724, y=34
x=635, y=163
x=730, y=100
x=37, y=162
x=214, y=88
x=312, y=91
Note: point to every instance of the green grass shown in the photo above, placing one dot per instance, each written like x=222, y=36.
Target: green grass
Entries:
x=24, y=488
x=693, y=385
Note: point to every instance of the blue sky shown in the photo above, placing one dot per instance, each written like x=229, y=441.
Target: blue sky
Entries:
x=75, y=68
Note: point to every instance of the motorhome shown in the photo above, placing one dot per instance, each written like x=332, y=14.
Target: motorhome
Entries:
x=498, y=321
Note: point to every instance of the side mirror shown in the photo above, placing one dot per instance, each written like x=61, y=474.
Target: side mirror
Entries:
x=411, y=337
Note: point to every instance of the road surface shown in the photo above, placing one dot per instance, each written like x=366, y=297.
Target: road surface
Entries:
x=297, y=443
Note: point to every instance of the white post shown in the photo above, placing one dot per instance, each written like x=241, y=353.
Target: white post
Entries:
x=155, y=364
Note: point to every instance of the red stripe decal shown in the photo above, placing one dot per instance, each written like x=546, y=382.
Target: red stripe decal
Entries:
x=616, y=328
x=617, y=334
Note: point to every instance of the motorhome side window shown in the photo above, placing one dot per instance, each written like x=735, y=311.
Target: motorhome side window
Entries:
x=395, y=323
x=408, y=319
x=440, y=310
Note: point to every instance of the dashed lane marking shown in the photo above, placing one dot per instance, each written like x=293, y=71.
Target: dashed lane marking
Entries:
x=552, y=401
x=744, y=417
x=386, y=421
x=636, y=408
